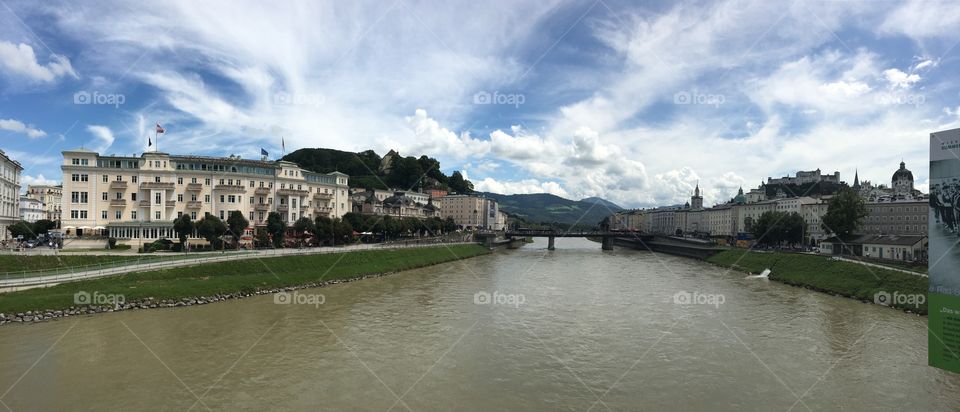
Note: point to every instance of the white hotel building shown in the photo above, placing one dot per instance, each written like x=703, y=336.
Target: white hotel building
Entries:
x=139, y=197
x=10, y=171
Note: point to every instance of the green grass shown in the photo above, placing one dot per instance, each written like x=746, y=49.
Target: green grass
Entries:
x=246, y=275
x=17, y=263
x=826, y=275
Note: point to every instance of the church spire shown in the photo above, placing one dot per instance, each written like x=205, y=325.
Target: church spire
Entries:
x=856, y=179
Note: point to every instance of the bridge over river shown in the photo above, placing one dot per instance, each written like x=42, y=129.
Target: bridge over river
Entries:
x=695, y=248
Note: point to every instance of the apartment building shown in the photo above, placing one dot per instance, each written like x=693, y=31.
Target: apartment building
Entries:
x=52, y=198
x=31, y=210
x=10, y=171
x=139, y=197
x=470, y=211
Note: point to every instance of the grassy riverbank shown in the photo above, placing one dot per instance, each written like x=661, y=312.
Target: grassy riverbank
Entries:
x=823, y=274
x=17, y=263
x=241, y=276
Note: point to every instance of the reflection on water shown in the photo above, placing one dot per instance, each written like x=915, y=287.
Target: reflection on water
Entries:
x=522, y=329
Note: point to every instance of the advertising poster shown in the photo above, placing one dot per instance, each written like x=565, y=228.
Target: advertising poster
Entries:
x=944, y=269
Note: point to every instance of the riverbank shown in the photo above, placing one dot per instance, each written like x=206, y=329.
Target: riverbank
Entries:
x=212, y=282
x=820, y=273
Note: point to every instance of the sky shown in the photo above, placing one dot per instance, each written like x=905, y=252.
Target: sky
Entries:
x=635, y=103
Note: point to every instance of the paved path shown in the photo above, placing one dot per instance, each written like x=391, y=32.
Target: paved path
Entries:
x=13, y=283
x=879, y=266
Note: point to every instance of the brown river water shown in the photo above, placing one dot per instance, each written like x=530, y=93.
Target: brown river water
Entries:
x=573, y=329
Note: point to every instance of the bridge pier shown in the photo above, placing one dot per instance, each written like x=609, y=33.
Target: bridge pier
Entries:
x=550, y=245
x=607, y=243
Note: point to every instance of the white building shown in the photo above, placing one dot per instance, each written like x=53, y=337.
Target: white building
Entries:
x=52, y=198
x=10, y=171
x=31, y=210
x=139, y=197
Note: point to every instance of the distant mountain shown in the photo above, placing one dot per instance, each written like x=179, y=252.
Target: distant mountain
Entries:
x=547, y=208
x=593, y=199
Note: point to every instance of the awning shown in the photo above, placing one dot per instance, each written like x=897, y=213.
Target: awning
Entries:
x=99, y=228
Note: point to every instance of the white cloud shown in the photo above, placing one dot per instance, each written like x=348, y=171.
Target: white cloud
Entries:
x=103, y=138
x=21, y=61
x=899, y=79
x=39, y=179
x=19, y=127
x=525, y=186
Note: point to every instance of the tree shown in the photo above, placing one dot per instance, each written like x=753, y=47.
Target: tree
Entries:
x=773, y=228
x=43, y=226
x=405, y=173
x=183, y=227
x=305, y=225
x=449, y=225
x=237, y=224
x=459, y=184
x=211, y=228
x=845, y=213
x=21, y=228
x=324, y=229
x=277, y=228
x=342, y=229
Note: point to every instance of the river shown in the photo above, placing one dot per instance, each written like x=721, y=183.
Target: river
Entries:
x=573, y=329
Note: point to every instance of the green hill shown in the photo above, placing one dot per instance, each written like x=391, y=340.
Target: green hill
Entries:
x=546, y=208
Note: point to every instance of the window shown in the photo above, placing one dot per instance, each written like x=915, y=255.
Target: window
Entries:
x=222, y=199
x=156, y=179
x=206, y=198
x=232, y=199
x=75, y=162
x=251, y=215
x=84, y=178
x=118, y=214
x=193, y=180
x=135, y=179
x=251, y=200
x=105, y=178
x=206, y=182
x=133, y=196
x=179, y=180
x=133, y=215
x=179, y=215
x=193, y=197
x=119, y=178
x=157, y=198
x=179, y=197
x=75, y=177
x=74, y=214
x=103, y=214
x=156, y=215
x=193, y=215
x=83, y=214
x=104, y=196
x=221, y=215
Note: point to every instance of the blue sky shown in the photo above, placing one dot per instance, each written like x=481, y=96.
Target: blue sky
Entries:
x=632, y=102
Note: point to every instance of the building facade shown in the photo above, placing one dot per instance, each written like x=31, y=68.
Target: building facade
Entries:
x=470, y=211
x=139, y=197
x=10, y=171
x=31, y=210
x=52, y=198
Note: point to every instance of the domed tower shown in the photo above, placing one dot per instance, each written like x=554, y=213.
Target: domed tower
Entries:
x=902, y=182
x=740, y=198
x=696, y=201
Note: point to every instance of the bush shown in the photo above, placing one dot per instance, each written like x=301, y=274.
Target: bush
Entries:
x=111, y=243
